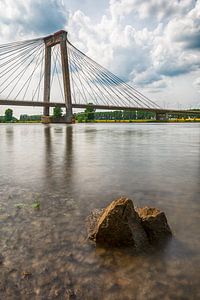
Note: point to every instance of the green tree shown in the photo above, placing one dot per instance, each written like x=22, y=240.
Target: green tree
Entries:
x=57, y=112
x=89, y=112
x=80, y=117
x=8, y=115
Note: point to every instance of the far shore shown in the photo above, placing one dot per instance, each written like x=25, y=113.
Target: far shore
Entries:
x=116, y=121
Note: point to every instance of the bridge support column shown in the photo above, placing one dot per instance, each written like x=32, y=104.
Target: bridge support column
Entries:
x=66, y=79
x=161, y=116
x=47, y=78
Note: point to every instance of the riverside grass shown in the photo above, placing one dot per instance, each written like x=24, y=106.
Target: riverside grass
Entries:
x=144, y=121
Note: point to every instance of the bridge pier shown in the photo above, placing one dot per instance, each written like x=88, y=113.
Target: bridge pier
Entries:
x=161, y=116
x=69, y=116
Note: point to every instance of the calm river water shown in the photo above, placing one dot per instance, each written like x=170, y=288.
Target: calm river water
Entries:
x=72, y=169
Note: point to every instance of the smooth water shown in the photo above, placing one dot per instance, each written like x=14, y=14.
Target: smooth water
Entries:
x=72, y=169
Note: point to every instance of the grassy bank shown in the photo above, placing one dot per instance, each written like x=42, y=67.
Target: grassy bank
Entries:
x=117, y=121
x=145, y=121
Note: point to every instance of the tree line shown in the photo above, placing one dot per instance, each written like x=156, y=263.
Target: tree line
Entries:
x=90, y=114
x=9, y=118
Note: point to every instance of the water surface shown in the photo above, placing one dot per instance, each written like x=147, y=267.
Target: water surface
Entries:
x=72, y=169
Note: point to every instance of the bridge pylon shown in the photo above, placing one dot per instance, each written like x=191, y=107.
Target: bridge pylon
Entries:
x=59, y=37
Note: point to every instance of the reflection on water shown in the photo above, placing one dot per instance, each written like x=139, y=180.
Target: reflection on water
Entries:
x=72, y=169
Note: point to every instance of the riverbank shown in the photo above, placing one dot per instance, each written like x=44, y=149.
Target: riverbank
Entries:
x=118, y=121
x=145, y=121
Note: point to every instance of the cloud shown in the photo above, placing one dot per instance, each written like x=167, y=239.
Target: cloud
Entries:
x=143, y=42
x=147, y=77
x=142, y=55
x=31, y=18
x=116, y=47
x=186, y=30
x=157, y=86
x=46, y=16
x=134, y=54
x=174, y=52
x=196, y=83
x=119, y=8
x=163, y=9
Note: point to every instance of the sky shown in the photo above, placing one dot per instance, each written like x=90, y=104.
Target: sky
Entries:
x=152, y=44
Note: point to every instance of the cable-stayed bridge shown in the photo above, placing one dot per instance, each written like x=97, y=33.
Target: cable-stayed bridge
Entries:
x=50, y=72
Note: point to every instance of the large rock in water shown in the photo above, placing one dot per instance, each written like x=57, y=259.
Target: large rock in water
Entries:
x=118, y=224
x=154, y=223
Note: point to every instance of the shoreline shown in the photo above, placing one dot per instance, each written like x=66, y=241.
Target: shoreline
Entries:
x=113, y=121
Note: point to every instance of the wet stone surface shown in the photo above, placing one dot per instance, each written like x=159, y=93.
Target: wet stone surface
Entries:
x=120, y=225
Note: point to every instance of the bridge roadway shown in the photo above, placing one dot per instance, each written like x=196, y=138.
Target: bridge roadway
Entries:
x=105, y=107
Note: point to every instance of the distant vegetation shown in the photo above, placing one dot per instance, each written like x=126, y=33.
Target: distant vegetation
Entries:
x=9, y=118
x=32, y=118
x=91, y=115
x=25, y=118
x=114, y=115
x=8, y=115
x=57, y=112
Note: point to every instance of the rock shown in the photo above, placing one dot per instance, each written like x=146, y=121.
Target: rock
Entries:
x=91, y=222
x=154, y=223
x=118, y=225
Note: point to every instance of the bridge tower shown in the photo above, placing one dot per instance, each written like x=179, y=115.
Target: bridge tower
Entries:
x=59, y=37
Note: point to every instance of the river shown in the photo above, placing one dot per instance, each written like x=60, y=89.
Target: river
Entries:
x=69, y=170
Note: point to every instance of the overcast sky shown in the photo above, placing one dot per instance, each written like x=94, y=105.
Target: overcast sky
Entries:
x=152, y=44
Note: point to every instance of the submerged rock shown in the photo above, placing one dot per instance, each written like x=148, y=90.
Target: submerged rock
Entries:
x=154, y=223
x=119, y=224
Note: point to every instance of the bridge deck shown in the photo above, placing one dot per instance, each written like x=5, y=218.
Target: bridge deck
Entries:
x=104, y=107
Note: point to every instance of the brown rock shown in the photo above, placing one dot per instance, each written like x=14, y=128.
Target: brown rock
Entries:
x=118, y=224
x=91, y=222
x=154, y=223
